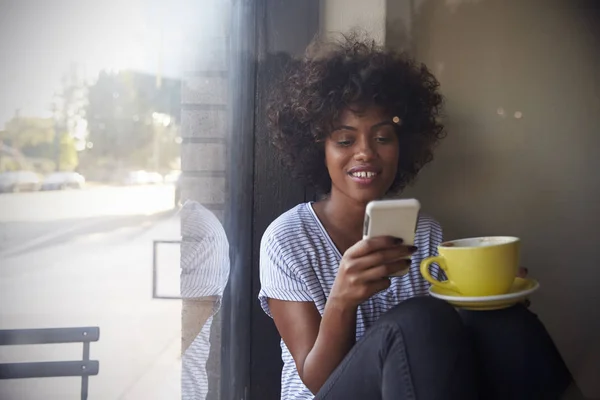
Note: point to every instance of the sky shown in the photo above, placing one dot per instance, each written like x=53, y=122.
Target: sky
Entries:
x=41, y=39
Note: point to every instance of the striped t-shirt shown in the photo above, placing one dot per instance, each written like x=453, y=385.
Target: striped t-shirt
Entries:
x=204, y=273
x=299, y=262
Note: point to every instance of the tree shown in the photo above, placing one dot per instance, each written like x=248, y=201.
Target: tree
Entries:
x=120, y=119
x=27, y=132
x=34, y=142
x=69, y=157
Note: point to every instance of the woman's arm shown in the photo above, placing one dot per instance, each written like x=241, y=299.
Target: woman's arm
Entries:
x=317, y=345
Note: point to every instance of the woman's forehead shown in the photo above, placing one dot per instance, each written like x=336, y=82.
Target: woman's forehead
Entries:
x=356, y=114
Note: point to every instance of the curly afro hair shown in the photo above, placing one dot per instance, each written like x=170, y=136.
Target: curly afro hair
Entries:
x=352, y=73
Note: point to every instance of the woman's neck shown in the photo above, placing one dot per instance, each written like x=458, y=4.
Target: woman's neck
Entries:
x=343, y=219
x=348, y=215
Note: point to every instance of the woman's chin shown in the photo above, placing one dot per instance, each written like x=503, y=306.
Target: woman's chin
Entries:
x=360, y=195
x=366, y=197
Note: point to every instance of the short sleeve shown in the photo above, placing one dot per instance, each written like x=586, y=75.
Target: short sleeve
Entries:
x=277, y=279
x=204, y=268
x=204, y=258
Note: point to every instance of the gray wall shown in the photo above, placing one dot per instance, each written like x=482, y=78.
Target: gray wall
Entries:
x=522, y=82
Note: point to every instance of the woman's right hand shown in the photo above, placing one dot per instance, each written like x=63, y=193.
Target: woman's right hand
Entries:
x=365, y=268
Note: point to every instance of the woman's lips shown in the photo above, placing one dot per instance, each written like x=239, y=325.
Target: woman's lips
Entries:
x=363, y=177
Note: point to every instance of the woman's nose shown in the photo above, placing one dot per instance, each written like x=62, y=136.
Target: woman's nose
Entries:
x=364, y=150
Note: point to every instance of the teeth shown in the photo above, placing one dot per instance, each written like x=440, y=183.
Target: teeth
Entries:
x=364, y=174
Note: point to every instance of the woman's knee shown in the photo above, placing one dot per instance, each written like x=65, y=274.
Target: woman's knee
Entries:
x=516, y=319
x=422, y=304
x=423, y=312
x=431, y=328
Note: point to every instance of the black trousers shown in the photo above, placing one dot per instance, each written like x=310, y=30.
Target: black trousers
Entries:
x=424, y=349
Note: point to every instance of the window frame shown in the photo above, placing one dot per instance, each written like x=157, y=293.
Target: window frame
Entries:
x=258, y=189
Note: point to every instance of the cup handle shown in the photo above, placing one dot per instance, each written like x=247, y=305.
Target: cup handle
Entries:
x=448, y=284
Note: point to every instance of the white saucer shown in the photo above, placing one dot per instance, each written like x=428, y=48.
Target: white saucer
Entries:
x=519, y=291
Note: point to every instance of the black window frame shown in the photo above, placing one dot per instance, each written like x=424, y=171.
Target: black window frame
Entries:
x=264, y=34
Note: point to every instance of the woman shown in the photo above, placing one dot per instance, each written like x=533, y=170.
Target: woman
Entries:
x=358, y=122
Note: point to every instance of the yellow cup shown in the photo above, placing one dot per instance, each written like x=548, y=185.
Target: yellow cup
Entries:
x=483, y=266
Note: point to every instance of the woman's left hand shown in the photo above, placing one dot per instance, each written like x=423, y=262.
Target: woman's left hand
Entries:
x=522, y=273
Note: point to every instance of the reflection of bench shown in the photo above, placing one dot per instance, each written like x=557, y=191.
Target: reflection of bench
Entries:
x=83, y=368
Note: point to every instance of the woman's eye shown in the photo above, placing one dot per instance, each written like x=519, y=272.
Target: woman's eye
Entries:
x=383, y=139
x=344, y=143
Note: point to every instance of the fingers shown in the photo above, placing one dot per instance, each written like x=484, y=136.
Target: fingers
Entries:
x=380, y=285
x=384, y=271
x=367, y=246
x=367, y=265
x=522, y=272
x=381, y=257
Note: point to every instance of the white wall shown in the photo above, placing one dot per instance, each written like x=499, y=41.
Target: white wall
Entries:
x=344, y=15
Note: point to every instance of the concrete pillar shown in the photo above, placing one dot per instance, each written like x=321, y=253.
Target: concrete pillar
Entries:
x=204, y=131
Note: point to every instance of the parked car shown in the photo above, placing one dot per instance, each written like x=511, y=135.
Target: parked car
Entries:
x=18, y=181
x=142, y=177
x=172, y=177
x=63, y=180
x=155, y=178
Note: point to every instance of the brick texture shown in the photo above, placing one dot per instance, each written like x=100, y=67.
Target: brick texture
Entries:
x=203, y=123
x=203, y=157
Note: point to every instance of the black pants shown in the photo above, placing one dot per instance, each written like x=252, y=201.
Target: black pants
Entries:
x=424, y=349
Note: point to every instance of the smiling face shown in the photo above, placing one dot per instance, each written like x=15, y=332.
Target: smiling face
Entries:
x=361, y=155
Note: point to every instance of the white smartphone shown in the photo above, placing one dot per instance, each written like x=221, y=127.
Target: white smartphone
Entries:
x=397, y=218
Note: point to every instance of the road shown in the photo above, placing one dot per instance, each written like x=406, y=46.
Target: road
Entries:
x=25, y=217
x=84, y=258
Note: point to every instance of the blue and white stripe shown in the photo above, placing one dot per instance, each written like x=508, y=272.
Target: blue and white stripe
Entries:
x=204, y=272
x=299, y=262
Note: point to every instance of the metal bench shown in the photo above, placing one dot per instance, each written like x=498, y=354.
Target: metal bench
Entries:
x=83, y=368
